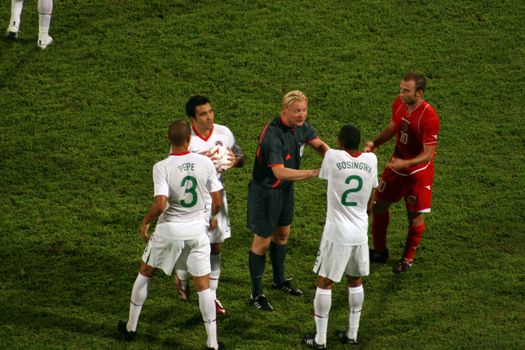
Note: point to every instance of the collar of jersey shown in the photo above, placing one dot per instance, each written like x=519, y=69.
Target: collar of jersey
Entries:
x=200, y=135
x=179, y=153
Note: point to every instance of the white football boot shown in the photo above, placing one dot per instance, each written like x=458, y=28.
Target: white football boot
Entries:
x=44, y=42
x=12, y=32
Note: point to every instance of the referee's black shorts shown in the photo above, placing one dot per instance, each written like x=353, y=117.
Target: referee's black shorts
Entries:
x=269, y=208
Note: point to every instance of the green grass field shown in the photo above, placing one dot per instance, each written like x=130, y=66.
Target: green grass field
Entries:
x=83, y=122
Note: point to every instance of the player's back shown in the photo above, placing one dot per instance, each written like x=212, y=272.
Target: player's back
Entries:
x=350, y=182
x=186, y=178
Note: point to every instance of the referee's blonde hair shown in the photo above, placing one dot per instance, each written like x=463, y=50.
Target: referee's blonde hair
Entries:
x=294, y=96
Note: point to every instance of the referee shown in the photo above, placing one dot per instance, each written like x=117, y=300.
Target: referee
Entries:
x=271, y=194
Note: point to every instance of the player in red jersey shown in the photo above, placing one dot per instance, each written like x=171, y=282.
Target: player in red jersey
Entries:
x=410, y=172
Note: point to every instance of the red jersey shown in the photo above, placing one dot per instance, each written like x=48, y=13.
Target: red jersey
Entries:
x=414, y=130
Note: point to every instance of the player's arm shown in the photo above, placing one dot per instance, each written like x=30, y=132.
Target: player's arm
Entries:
x=318, y=145
x=154, y=212
x=425, y=156
x=384, y=136
x=216, y=206
x=283, y=173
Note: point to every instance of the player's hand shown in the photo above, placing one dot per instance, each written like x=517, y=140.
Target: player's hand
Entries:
x=370, y=147
x=144, y=228
x=232, y=160
x=397, y=164
x=213, y=224
x=316, y=172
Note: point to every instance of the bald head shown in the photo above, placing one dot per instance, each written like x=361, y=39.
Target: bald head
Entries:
x=179, y=133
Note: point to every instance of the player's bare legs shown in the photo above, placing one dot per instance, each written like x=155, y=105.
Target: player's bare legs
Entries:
x=380, y=221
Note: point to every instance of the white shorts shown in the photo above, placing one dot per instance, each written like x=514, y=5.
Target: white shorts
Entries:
x=166, y=253
x=333, y=260
x=223, y=231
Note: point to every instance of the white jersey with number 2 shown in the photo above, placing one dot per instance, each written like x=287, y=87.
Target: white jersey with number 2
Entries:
x=350, y=183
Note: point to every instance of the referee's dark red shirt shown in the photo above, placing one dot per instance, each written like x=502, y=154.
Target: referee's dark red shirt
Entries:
x=280, y=144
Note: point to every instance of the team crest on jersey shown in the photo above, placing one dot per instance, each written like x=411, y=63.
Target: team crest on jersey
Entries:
x=412, y=200
x=404, y=127
x=218, y=143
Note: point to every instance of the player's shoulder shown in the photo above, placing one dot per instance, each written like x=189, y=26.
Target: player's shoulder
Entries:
x=221, y=129
x=369, y=157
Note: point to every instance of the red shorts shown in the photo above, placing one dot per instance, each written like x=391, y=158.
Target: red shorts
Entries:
x=416, y=189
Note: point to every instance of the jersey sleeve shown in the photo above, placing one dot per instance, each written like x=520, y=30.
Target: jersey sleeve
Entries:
x=324, y=174
x=160, y=181
x=309, y=132
x=272, y=147
x=430, y=127
x=375, y=182
x=396, y=105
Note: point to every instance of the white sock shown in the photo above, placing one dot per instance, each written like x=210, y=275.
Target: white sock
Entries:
x=139, y=293
x=207, y=308
x=183, y=276
x=16, y=12
x=355, y=300
x=45, y=9
x=322, y=305
x=215, y=260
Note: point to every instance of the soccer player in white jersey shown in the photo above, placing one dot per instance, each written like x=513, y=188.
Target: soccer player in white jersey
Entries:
x=351, y=177
x=45, y=9
x=181, y=182
x=206, y=134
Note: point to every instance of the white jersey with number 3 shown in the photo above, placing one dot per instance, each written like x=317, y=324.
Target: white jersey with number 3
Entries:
x=350, y=183
x=186, y=179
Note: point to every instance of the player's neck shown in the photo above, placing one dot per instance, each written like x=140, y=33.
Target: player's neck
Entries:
x=353, y=152
x=202, y=133
x=413, y=107
x=177, y=150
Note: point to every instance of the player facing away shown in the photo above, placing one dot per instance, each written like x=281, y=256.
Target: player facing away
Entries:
x=271, y=193
x=351, y=176
x=180, y=184
x=410, y=172
x=45, y=9
x=205, y=133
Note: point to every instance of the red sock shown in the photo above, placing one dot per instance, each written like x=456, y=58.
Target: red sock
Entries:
x=379, y=225
x=413, y=239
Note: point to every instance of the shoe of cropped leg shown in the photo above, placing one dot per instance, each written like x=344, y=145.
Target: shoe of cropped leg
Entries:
x=127, y=335
x=378, y=257
x=288, y=288
x=343, y=338
x=261, y=303
x=184, y=293
x=11, y=32
x=221, y=347
x=402, y=266
x=219, y=309
x=310, y=341
x=44, y=42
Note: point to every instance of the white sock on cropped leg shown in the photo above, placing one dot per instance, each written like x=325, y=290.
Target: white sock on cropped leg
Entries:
x=322, y=305
x=355, y=301
x=139, y=294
